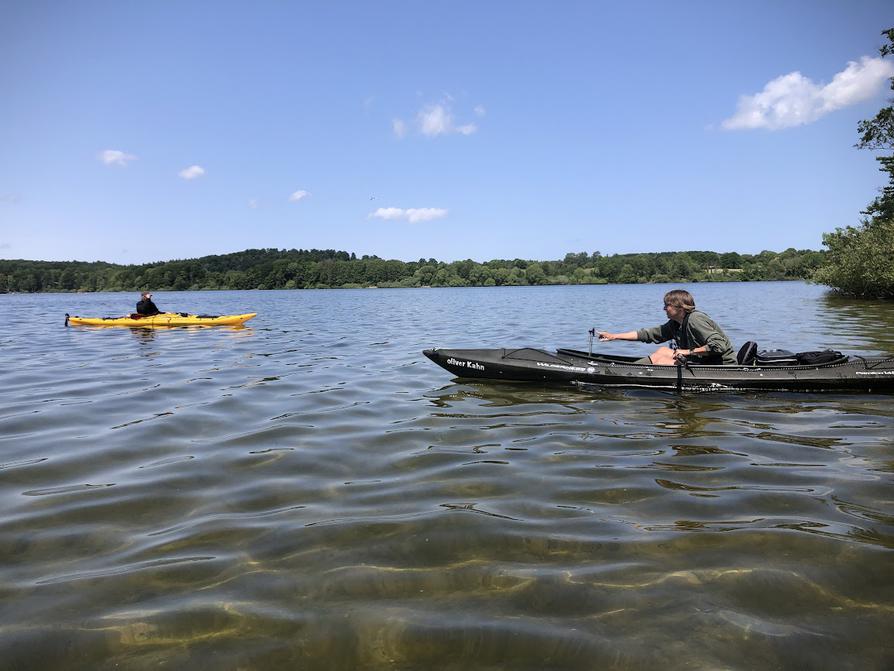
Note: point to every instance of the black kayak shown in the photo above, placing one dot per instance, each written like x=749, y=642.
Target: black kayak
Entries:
x=843, y=372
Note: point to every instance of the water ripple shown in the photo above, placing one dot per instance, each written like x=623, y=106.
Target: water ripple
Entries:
x=310, y=492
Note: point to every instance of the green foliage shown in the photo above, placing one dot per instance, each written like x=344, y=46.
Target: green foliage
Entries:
x=322, y=269
x=860, y=261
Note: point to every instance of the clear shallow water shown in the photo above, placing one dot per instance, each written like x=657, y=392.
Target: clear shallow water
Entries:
x=310, y=492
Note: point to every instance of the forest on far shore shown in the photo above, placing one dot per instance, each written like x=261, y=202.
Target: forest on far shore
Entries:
x=330, y=269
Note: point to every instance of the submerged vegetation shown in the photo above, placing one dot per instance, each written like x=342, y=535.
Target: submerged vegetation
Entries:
x=322, y=269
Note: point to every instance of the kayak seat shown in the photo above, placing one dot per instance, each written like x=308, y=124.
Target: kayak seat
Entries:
x=747, y=354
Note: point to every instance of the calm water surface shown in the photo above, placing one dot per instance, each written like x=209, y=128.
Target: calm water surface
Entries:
x=310, y=492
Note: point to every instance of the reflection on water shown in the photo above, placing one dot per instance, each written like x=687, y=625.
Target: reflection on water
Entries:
x=310, y=492
x=860, y=323
x=143, y=335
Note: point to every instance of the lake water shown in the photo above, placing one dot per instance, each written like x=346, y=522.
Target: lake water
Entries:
x=309, y=492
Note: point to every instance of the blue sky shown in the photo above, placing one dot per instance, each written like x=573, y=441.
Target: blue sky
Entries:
x=142, y=131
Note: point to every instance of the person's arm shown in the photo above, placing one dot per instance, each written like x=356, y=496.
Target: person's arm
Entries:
x=706, y=331
x=628, y=335
x=657, y=334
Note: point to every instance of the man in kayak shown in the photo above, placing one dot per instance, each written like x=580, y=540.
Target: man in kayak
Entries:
x=145, y=307
x=698, y=337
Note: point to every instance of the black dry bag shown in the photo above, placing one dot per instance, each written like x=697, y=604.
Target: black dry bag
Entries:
x=819, y=358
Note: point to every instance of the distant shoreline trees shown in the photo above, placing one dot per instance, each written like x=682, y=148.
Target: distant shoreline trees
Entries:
x=329, y=269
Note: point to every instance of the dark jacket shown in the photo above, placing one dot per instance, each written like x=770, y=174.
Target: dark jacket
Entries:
x=147, y=308
x=696, y=330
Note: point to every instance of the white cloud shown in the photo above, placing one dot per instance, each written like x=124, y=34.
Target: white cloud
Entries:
x=388, y=213
x=479, y=110
x=794, y=100
x=192, y=172
x=437, y=119
x=253, y=203
x=399, y=127
x=857, y=82
x=434, y=120
x=116, y=157
x=413, y=214
x=301, y=194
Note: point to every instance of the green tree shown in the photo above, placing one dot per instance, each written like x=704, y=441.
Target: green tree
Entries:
x=534, y=274
x=425, y=274
x=860, y=261
x=516, y=276
x=500, y=276
x=730, y=260
x=878, y=134
x=480, y=275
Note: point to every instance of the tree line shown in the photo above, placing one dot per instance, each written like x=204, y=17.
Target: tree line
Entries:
x=324, y=269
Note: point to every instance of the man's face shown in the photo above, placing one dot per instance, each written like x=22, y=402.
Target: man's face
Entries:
x=674, y=312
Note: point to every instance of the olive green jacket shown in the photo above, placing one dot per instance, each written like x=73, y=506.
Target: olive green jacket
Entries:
x=699, y=330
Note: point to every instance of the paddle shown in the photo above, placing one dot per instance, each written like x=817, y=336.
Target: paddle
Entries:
x=679, y=362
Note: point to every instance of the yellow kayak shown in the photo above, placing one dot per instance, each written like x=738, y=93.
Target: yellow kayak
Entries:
x=162, y=319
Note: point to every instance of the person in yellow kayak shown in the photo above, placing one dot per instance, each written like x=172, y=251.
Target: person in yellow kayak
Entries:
x=145, y=307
